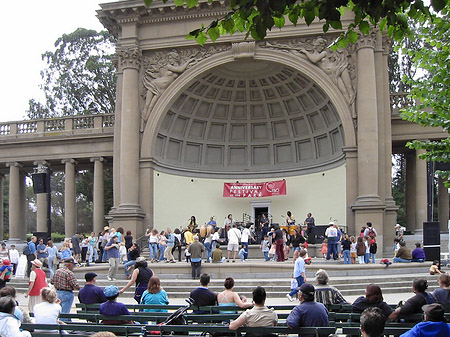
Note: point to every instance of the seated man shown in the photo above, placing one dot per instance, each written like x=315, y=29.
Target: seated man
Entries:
x=403, y=254
x=434, y=323
x=113, y=308
x=259, y=315
x=90, y=293
x=216, y=255
x=414, y=304
x=309, y=312
x=202, y=295
x=418, y=254
x=372, y=322
x=325, y=293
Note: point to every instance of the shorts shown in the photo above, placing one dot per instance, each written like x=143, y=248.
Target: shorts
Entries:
x=353, y=254
x=233, y=247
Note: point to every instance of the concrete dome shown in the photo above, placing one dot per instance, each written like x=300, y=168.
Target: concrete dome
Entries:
x=250, y=117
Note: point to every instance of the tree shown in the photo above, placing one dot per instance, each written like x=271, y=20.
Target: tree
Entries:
x=431, y=88
x=79, y=77
x=256, y=17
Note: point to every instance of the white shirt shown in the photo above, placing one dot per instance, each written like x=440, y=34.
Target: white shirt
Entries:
x=216, y=236
x=14, y=255
x=233, y=236
x=46, y=313
x=331, y=232
x=9, y=326
x=245, y=235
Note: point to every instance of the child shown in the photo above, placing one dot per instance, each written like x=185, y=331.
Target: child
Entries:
x=396, y=246
x=241, y=254
x=353, y=249
x=306, y=257
x=5, y=272
x=434, y=269
x=366, y=244
x=265, y=247
x=346, y=245
x=14, y=258
x=324, y=248
x=373, y=249
x=122, y=253
x=188, y=255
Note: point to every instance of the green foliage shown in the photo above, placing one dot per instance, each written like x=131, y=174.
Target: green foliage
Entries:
x=431, y=89
x=79, y=77
x=256, y=17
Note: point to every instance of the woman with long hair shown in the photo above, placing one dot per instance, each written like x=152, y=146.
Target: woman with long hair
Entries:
x=153, y=243
x=141, y=275
x=154, y=294
x=373, y=298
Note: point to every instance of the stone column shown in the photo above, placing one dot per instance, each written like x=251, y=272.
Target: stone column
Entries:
x=70, y=203
x=351, y=163
x=368, y=206
x=1, y=206
x=17, y=229
x=117, y=134
x=410, y=192
x=421, y=190
x=99, y=195
x=443, y=205
x=41, y=213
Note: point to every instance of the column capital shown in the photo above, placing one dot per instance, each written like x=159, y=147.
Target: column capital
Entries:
x=387, y=44
x=130, y=57
x=101, y=159
x=69, y=160
x=367, y=41
x=41, y=163
x=14, y=164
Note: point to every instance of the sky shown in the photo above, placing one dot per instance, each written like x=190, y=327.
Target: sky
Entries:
x=28, y=29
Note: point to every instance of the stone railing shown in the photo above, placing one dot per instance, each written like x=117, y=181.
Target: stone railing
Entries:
x=400, y=100
x=54, y=126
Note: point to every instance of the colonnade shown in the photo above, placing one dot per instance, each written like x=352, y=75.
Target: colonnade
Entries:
x=17, y=198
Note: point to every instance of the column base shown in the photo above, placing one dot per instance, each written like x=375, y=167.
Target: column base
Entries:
x=390, y=219
x=375, y=215
x=368, y=200
x=129, y=217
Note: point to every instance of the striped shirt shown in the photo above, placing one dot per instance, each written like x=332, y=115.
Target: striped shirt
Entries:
x=328, y=295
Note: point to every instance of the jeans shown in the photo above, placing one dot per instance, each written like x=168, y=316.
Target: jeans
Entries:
x=367, y=258
x=399, y=259
x=153, y=248
x=104, y=256
x=332, y=248
x=299, y=283
x=266, y=256
x=245, y=245
x=223, y=259
x=196, y=267
x=372, y=257
x=66, y=298
x=347, y=257
x=161, y=249
x=51, y=265
x=241, y=255
x=93, y=255
x=128, y=264
x=208, y=250
x=113, y=266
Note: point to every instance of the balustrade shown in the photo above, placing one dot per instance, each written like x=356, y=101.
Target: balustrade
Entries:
x=52, y=125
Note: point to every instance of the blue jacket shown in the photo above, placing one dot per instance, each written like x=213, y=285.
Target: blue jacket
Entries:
x=435, y=329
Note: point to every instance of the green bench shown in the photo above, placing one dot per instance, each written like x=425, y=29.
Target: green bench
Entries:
x=388, y=331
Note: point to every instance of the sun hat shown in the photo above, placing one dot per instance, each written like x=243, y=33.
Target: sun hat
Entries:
x=111, y=291
x=37, y=263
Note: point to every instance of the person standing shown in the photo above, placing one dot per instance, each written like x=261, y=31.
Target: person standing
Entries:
x=196, y=249
x=299, y=274
x=52, y=253
x=332, y=235
x=202, y=295
x=92, y=250
x=14, y=258
x=41, y=252
x=36, y=283
x=234, y=235
x=90, y=293
x=65, y=283
x=76, y=247
x=31, y=253
x=141, y=275
x=245, y=237
x=279, y=244
x=311, y=224
x=112, y=254
x=309, y=312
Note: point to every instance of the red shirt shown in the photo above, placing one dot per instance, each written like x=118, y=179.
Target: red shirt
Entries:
x=39, y=283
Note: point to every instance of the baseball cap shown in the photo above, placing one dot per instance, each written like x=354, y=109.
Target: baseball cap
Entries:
x=111, y=291
x=69, y=260
x=307, y=289
x=6, y=262
x=435, y=312
x=89, y=276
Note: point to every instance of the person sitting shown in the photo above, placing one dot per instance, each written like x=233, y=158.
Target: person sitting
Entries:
x=435, y=268
x=216, y=255
x=403, y=254
x=113, y=308
x=324, y=293
x=308, y=313
x=373, y=298
x=154, y=295
x=48, y=311
x=229, y=298
x=259, y=315
x=372, y=322
x=442, y=294
x=5, y=272
x=418, y=254
x=202, y=295
x=415, y=303
x=434, y=323
x=90, y=293
x=10, y=324
x=21, y=313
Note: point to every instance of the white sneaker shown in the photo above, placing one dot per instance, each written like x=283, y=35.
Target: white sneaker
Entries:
x=290, y=297
x=109, y=278
x=113, y=279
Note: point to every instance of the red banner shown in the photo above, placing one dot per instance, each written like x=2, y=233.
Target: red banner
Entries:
x=254, y=190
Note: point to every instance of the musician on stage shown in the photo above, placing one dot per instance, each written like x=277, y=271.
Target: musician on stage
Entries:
x=264, y=223
x=192, y=224
x=229, y=221
x=310, y=222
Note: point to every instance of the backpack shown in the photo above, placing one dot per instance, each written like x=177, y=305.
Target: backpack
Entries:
x=26, y=250
x=373, y=248
x=371, y=233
